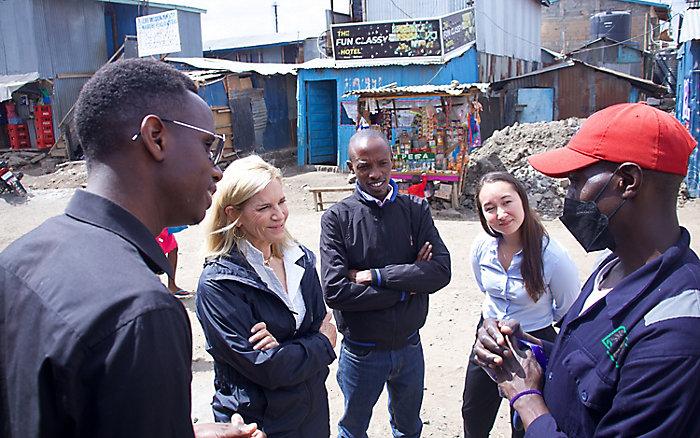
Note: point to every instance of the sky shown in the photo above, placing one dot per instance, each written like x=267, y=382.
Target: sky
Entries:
x=238, y=18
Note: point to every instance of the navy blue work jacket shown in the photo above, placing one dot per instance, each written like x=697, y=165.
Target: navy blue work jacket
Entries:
x=629, y=365
x=283, y=389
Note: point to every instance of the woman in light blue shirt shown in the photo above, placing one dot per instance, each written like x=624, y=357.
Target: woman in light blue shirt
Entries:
x=524, y=274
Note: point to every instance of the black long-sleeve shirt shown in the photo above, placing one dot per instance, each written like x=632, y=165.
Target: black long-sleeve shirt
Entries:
x=91, y=342
x=359, y=234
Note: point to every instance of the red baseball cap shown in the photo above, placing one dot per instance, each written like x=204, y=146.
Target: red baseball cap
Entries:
x=627, y=132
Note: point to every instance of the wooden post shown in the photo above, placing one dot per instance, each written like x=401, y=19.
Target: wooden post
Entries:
x=455, y=195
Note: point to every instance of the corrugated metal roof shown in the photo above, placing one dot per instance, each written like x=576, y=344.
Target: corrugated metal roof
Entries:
x=355, y=63
x=611, y=42
x=649, y=3
x=205, y=76
x=237, y=67
x=639, y=82
x=690, y=29
x=157, y=5
x=553, y=53
x=452, y=89
x=247, y=42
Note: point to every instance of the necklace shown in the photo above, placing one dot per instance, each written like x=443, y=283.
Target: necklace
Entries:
x=266, y=261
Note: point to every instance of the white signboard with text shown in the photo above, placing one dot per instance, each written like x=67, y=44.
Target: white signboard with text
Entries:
x=158, y=33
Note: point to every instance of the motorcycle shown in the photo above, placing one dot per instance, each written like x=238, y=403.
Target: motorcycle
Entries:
x=9, y=180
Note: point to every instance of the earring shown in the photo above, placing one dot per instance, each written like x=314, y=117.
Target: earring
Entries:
x=238, y=236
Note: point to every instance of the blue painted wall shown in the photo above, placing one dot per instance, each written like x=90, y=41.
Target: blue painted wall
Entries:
x=463, y=69
x=276, y=135
x=538, y=104
x=277, y=132
x=214, y=94
x=689, y=70
x=125, y=17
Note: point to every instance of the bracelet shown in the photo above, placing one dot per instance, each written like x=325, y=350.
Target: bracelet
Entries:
x=523, y=393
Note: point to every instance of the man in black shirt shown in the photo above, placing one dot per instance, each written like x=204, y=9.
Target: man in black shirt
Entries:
x=381, y=256
x=91, y=342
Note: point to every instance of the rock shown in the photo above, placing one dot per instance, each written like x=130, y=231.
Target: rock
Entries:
x=508, y=149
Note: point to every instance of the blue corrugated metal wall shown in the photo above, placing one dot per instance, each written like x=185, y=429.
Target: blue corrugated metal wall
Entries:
x=17, y=38
x=276, y=135
x=71, y=34
x=214, y=94
x=463, y=69
x=69, y=38
x=688, y=107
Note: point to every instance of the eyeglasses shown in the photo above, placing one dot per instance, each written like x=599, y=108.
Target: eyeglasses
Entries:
x=215, y=150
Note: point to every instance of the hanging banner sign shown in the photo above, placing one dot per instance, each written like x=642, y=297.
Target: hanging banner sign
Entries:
x=399, y=39
x=458, y=29
x=405, y=38
x=158, y=34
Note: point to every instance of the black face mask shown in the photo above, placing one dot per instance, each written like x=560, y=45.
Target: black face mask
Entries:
x=587, y=224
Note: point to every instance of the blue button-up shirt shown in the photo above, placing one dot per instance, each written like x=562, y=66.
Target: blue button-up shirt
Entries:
x=506, y=296
x=630, y=364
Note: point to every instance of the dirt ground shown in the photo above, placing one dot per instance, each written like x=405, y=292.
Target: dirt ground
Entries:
x=447, y=336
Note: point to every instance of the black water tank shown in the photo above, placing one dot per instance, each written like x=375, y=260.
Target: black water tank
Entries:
x=616, y=25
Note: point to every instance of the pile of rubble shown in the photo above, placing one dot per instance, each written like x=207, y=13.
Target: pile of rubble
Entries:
x=508, y=149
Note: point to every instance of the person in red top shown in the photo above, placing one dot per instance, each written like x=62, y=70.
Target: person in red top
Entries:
x=167, y=242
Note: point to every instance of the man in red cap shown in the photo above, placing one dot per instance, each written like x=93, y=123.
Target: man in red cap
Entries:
x=626, y=361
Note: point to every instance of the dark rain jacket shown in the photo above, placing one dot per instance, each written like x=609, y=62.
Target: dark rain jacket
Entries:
x=282, y=389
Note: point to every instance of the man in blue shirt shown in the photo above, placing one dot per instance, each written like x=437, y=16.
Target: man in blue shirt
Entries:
x=626, y=360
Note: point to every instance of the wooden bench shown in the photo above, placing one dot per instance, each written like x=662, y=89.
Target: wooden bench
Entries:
x=319, y=191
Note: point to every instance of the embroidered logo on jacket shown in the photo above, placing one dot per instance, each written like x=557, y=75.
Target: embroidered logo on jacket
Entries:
x=615, y=343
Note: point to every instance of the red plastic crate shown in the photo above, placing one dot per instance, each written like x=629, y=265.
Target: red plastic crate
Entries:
x=17, y=143
x=45, y=138
x=17, y=129
x=42, y=111
x=41, y=145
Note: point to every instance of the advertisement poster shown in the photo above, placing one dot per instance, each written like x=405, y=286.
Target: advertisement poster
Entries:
x=399, y=39
x=404, y=38
x=458, y=29
x=158, y=34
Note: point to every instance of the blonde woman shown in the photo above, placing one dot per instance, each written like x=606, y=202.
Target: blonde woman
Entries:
x=260, y=304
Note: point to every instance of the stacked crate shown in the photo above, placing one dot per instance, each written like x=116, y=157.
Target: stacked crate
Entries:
x=18, y=135
x=43, y=124
x=17, y=131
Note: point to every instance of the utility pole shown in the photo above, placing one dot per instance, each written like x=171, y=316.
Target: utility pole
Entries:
x=274, y=7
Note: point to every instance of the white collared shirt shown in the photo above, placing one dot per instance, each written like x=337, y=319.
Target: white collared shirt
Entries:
x=293, y=297
x=603, y=283
x=369, y=197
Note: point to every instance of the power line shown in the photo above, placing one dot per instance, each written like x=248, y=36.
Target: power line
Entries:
x=399, y=8
x=506, y=32
x=576, y=51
